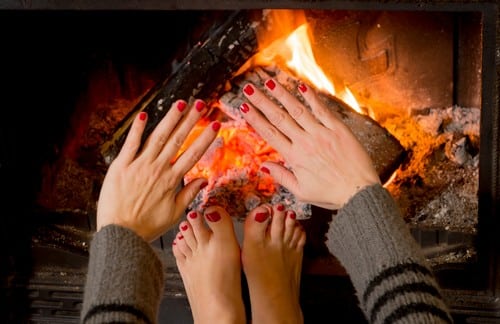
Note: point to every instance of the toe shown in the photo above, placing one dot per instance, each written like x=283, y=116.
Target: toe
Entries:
x=256, y=223
x=298, y=238
x=290, y=223
x=220, y=222
x=200, y=230
x=182, y=245
x=278, y=222
x=186, y=231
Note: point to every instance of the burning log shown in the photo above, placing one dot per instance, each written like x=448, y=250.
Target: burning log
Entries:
x=384, y=149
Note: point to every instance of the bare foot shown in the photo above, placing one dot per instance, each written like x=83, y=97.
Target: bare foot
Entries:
x=208, y=259
x=272, y=261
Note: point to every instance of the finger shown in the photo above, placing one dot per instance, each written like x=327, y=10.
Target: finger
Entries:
x=161, y=134
x=319, y=109
x=265, y=129
x=282, y=175
x=186, y=195
x=294, y=107
x=195, y=151
x=133, y=140
x=277, y=116
x=181, y=132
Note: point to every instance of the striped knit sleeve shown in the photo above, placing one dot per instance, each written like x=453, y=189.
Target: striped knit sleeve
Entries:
x=124, y=279
x=392, y=280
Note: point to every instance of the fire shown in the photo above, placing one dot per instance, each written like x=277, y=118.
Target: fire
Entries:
x=232, y=162
x=297, y=53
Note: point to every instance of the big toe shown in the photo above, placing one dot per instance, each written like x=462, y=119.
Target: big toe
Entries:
x=220, y=222
x=257, y=222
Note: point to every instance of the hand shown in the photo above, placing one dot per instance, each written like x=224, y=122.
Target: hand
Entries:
x=141, y=188
x=327, y=163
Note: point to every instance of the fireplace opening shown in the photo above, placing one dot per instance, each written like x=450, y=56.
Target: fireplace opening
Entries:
x=422, y=81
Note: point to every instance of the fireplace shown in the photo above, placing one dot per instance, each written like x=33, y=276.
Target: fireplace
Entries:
x=115, y=60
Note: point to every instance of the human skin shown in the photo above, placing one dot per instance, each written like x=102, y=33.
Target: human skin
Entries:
x=141, y=190
x=327, y=163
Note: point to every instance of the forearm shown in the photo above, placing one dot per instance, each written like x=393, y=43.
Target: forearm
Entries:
x=387, y=269
x=124, y=279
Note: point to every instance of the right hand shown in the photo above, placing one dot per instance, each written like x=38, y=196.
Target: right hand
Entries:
x=327, y=163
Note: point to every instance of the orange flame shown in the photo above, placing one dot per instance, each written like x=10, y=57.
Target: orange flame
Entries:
x=297, y=53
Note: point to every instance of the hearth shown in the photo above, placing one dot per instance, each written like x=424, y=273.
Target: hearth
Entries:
x=422, y=72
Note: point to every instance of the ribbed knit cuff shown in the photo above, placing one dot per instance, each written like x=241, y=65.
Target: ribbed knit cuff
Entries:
x=124, y=280
x=368, y=235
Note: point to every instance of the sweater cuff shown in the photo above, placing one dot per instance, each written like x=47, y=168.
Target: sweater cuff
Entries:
x=125, y=278
x=369, y=235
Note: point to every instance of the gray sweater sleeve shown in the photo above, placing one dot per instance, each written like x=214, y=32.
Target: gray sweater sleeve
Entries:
x=124, y=279
x=391, y=278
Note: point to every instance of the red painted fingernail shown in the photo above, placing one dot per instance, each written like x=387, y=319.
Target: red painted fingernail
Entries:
x=248, y=89
x=261, y=217
x=142, y=115
x=180, y=237
x=244, y=107
x=280, y=207
x=200, y=105
x=292, y=215
x=213, y=216
x=302, y=88
x=270, y=84
x=181, y=105
x=192, y=215
x=216, y=126
x=265, y=170
x=203, y=184
x=184, y=227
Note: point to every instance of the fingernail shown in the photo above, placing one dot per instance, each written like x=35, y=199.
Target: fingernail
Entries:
x=248, y=89
x=203, y=185
x=192, y=215
x=261, y=217
x=181, y=105
x=184, y=227
x=270, y=84
x=213, y=216
x=280, y=207
x=200, y=105
x=142, y=115
x=302, y=88
x=244, y=108
x=291, y=214
x=265, y=170
x=216, y=126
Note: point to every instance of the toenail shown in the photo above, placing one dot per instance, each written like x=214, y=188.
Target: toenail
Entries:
x=184, y=227
x=292, y=215
x=180, y=237
x=192, y=215
x=261, y=217
x=280, y=207
x=213, y=216
x=173, y=243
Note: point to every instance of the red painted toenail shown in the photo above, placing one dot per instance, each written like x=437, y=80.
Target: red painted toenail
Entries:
x=192, y=215
x=180, y=237
x=302, y=88
x=203, y=184
x=213, y=216
x=292, y=215
x=280, y=207
x=199, y=105
x=184, y=227
x=173, y=243
x=265, y=170
x=261, y=217
x=143, y=115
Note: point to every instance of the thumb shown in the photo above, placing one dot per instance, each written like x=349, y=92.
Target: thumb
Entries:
x=283, y=176
x=186, y=195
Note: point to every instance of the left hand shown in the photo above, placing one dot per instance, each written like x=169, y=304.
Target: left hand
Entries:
x=141, y=188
